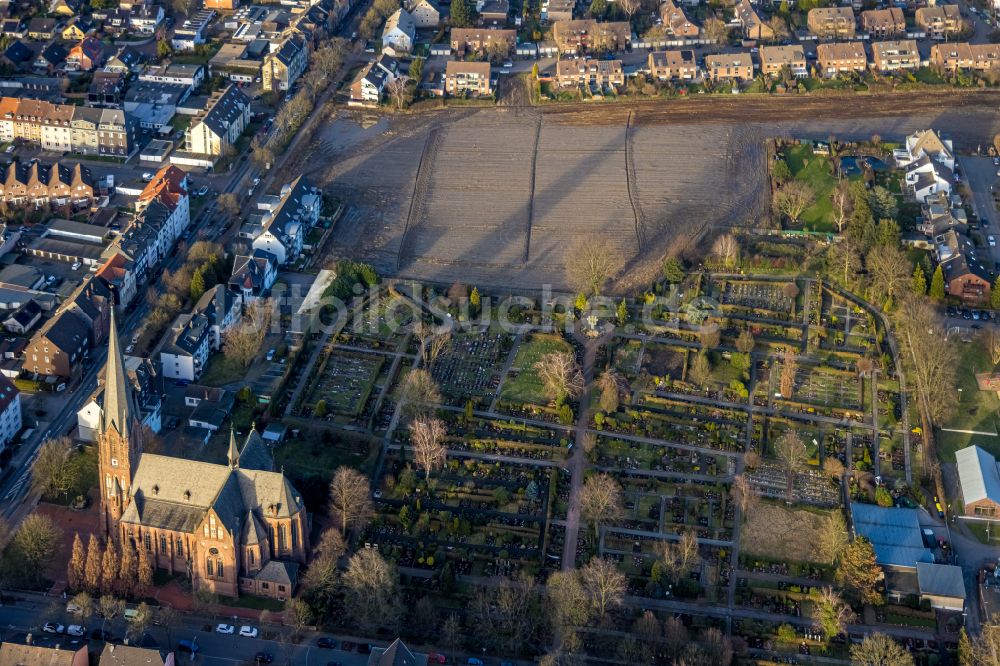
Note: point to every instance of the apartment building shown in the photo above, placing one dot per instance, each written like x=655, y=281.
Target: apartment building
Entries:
x=371, y=81
x=10, y=412
x=893, y=56
x=588, y=35
x=775, y=58
x=221, y=124
x=65, y=128
x=959, y=56
x=841, y=57
x=673, y=65
x=883, y=23
x=940, y=21
x=752, y=25
x=472, y=78
x=284, y=64
x=284, y=220
x=729, y=67
x=481, y=40
x=594, y=73
x=830, y=22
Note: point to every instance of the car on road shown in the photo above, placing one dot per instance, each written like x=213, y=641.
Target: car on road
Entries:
x=436, y=658
x=76, y=630
x=263, y=658
x=225, y=629
x=130, y=349
x=146, y=177
x=992, y=240
x=73, y=608
x=202, y=191
x=937, y=505
x=53, y=628
x=256, y=181
x=76, y=266
x=248, y=632
x=270, y=353
x=10, y=148
x=326, y=642
x=474, y=662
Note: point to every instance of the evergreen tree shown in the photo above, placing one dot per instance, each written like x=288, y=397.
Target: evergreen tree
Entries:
x=919, y=282
x=461, y=17
x=474, y=298
x=673, y=270
x=598, y=8
x=197, y=284
x=622, y=313
x=581, y=302
x=145, y=572
x=76, y=571
x=128, y=572
x=109, y=568
x=92, y=570
x=937, y=284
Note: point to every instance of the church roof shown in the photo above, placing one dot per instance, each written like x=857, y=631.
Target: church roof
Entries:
x=163, y=515
x=255, y=454
x=253, y=531
x=282, y=573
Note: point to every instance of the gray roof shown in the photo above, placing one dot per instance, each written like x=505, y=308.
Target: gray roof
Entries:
x=397, y=654
x=978, y=475
x=163, y=515
x=893, y=532
x=281, y=573
x=940, y=580
x=255, y=454
x=128, y=655
x=226, y=109
x=119, y=408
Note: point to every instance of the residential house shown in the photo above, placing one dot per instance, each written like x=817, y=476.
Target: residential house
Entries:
x=979, y=480
x=175, y=74
x=51, y=57
x=894, y=56
x=773, y=59
x=467, y=78
x=191, y=33
x=371, y=81
x=557, y=10
x=13, y=28
x=284, y=64
x=837, y=58
x=676, y=22
x=18, y=54
x=595, y=74
x=729, y=67
x=147, y=392
x=223, y=122
x=223, y=308
x=399, y=33
x=673, y=65
x=36, y=184
x=186, y=347
x=965, y=276
x=22, y=320
x=42, y=29
x=883, y=23
x=58, y=348
x=107, y=89
x=285, y=220
x=77, y=29
x=65, y=7
x=397, y=654
x=940, y=21
x=119, y=274
x=831, y=22
x=86, y=55
x=959, y=56
x=941, y=212
x=483, y=41
x=222, y=5
x=424, y=12
x=145, y=18
x=16, y=654
x=925, y=177
x=493, y=12
x=126, y=61
x=753, y=26
x=590, y=36
x=253, y=275
x=129, y=655
x=169, y=187
x=926, y=143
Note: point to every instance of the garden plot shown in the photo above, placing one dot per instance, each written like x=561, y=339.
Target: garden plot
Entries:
x=470, y=366
x=846, y=327
x=346, y=382
x=822, y=388
x=757, y=296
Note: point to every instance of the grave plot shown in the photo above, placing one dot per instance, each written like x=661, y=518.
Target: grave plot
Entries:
x=844, y=327
x=614, y=453
x=514, y=439
x=626, y=357
x=382, y=325
x=470, y=367
x=345, y=384
x=820, y=390
x=674, y=420
x=474, y=513
x=661, y=361
x=522, y=385
x=808, y=487
x=758, y=299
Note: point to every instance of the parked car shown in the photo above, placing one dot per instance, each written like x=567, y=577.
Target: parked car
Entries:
x=436, y=658
x=76, y=630
x=270, y=353
x=992, y=241
x=130, y=349
x=53, y=628
x=248, y=632
x=474, y=662
x=328, y=643
x=146, y=177
x=202, y=191
x=225, y=629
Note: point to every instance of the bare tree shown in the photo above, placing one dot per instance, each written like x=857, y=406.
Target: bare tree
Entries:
x=350, y=498
x=700, y=372
x=709, y=335
x=427, y=437
x=611, y=385
x=589, y=264
x=793, y=198
x=792, y=454
x=715, y=30
x=601, y=501
x=505, y=614
x=788, y=368
x=560, y=375
x=830, y=613
x=228, y=204
x=570, y=606
x=779, y=27
x=843, y=203
x=31, y=549
x=890, y=270
x=370, y=587
x=604, y=584
x=419, y=393
x=431, y=341
x=833, y=468
x=630, y=7
x=745, y=342
x=679, y=557
x=399, y=92
x=242, y=342
x=55, y=472
x=881, y=650
x=727, y=249
x=744, y=495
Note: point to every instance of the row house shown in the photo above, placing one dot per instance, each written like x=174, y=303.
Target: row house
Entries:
x=589, y=36
x=773, y=59
x=830, y=22
x=884, y=23
x=676, y=21
x=893, y=56
x=119, y=274
x=221, y=124
x=751, y=24
x=65, y=128
x=284, y=220
x=673, y=65
x=729, y=67
x=940, y=21
x=58, y=184
x=472, y=78
x=186, y=346
x=589, y=72
x=960, y=56
x=169, y=187
x=841, y=57
x=483, y=41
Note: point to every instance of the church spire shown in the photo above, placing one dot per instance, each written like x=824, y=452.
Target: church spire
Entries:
x=118, y=406
x=234, y=453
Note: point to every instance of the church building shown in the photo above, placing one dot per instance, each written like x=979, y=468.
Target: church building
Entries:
x=234, y=528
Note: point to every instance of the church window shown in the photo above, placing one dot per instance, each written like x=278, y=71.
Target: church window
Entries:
x=209, y=567
x=206, y=529
x=218, y=568
x=180, y=547
x=163, y=544
x=211, y=520
x=295, y=536
x=147, y=542
x=250, y=554
x=281, y=537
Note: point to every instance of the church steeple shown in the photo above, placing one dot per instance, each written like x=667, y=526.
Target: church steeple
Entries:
x=119, y=407
x=234, y=453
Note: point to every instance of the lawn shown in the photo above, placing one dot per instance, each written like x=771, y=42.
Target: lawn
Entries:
x=775, y=532
x=927, y=75
x=816, y=171
x=525, y=386
x=979, y=530
x=221, y=371
x=976, y=410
